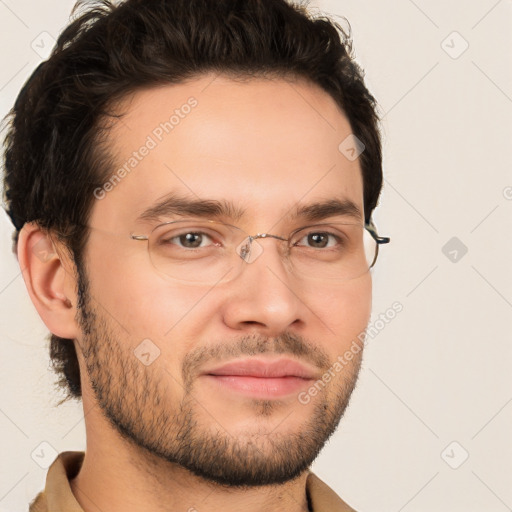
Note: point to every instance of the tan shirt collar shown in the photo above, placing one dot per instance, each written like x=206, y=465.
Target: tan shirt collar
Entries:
x=58, y=497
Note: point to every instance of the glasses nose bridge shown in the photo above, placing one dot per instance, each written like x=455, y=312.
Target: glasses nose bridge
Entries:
x=245, y=250
x=268, y=235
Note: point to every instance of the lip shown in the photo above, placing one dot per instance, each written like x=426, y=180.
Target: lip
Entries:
x=261, y=378
x=264, y=369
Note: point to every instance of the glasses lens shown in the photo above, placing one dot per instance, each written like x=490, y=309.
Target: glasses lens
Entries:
x=194, y=251
x=208, y=252
x=336, y=251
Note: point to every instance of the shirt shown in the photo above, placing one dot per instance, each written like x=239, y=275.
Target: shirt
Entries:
x=58, y=497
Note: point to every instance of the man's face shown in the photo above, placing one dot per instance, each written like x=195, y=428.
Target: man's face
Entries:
x=267, y=147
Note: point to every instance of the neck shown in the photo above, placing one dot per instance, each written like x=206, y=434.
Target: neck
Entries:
x=119, y=477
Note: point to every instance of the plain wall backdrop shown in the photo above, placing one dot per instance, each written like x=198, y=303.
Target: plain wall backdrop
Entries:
x=428, y=427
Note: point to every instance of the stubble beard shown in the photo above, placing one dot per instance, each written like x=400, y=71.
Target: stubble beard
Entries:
x=134, y=398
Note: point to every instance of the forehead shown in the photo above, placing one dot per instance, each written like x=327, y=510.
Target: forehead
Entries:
x=265, y=145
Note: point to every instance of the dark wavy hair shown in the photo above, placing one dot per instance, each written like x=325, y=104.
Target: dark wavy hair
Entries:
x=55, y=145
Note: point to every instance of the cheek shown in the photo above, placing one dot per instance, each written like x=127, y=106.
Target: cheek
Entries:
x=345, y=309
x=129, y=292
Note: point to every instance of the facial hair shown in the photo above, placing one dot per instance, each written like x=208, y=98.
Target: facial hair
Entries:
x=134, y=398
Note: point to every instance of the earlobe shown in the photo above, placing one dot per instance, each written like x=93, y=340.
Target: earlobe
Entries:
x=49, y=280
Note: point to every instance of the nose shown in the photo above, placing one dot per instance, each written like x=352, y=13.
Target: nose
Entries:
x=265, y=297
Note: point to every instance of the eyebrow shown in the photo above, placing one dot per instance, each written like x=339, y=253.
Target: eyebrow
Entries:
x=178, y=205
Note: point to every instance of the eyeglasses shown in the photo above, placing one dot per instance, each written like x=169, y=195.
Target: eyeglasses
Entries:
x=209, y=252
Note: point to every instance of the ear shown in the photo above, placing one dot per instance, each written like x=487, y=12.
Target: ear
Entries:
x=50, y=280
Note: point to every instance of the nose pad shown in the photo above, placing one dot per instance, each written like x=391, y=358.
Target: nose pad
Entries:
x=249, y=250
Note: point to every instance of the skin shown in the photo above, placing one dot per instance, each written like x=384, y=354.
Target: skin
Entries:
x=267, y=145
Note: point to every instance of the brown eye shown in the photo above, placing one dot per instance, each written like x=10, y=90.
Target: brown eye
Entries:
x=191, y=240
x=319, y=240
x=187, y=240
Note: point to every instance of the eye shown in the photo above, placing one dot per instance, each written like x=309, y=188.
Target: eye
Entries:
x=319, y=240
x=188, y=240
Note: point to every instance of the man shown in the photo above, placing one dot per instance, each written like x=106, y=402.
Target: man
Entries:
x=192, y=183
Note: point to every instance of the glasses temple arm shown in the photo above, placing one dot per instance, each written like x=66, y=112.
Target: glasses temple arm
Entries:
x=370, y=227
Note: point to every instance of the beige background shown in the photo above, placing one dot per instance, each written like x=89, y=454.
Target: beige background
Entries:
x=436, y=386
